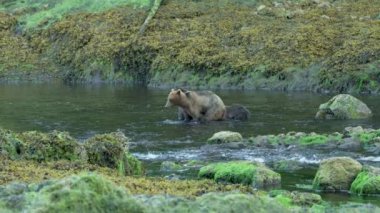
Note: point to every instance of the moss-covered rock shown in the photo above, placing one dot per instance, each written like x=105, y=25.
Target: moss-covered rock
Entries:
x=343, y=106
x=111, y=150
x=225, y=137
x=296, y=138
x=78, y=193
x=10, y=145
x=367, y=181
x=214, y=202
x=243, y=172
x=50, y=146
x=337, y=173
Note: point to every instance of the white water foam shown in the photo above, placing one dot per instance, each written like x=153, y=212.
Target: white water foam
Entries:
x=303, y=159
x=370, y=158
x=181, y=155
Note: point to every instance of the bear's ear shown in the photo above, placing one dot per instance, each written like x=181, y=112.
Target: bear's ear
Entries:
x=172, y=90
x=179, y=92
x=187, y=94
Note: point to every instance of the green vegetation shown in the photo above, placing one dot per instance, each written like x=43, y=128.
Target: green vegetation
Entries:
x=35, y=14
x=367, y=181
x=242, y=172
x=292, y=138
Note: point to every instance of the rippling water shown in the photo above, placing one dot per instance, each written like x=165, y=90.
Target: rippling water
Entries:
x=85, y=110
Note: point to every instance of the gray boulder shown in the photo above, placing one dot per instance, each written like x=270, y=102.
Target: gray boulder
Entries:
x=343, y=106
x=336, y=174
x=225, y=137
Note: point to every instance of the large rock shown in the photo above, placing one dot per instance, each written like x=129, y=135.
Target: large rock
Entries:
x=343, y=106
x=367, y=182
x=242, y=172
x=78, y=193
x=225, y=137
x=336, y=174
x=50, y=146
x=111, y=150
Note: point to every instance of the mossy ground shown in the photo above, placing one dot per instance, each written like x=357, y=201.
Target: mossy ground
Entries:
x=308, y=46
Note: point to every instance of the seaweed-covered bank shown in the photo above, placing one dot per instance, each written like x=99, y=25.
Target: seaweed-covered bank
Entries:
x=321, y=45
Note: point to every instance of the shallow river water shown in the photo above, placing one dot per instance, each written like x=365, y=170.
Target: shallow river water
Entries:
x=85, y=110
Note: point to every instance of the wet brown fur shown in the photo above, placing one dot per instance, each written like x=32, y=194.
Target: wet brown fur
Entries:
x=200, y=106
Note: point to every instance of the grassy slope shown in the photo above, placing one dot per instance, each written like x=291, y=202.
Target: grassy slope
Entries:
x=295, y=45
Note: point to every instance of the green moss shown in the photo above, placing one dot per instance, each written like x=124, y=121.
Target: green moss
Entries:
x=284, y=200
x=243, y=172
x=367, y=182
x=336, y=174
x=130, y=165
x=313, y=140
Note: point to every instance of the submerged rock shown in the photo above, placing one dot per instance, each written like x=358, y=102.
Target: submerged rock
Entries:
x=296, y=198
x=170, y=166
x=336, y=174
x=242, y=172
x=367, y=181
x=297, y=139
x=343, y=106
x=287, y=165
x=225, y=137
x=111, y=150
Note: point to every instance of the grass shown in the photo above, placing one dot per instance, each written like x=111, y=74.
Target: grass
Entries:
x=43, y=13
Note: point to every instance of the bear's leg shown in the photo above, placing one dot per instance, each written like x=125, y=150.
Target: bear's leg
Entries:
x=183, y=116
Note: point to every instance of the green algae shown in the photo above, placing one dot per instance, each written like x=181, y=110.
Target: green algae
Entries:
x=242, y=172
x=293, y=138
x=367, y=182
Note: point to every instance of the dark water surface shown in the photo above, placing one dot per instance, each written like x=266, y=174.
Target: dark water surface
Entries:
x=85, y=110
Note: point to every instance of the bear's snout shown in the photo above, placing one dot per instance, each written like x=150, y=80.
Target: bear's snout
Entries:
x=168, y=104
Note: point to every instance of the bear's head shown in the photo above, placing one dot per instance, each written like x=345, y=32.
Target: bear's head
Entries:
x=177, y=97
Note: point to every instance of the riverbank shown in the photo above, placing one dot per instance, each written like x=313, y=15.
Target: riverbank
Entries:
x=323, y=46
x=53, y=171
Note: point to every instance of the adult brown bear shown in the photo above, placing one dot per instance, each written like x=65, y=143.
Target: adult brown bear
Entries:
x=204, y=106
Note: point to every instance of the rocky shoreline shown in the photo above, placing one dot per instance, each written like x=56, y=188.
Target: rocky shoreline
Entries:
x=55, y=172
